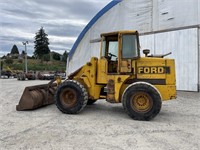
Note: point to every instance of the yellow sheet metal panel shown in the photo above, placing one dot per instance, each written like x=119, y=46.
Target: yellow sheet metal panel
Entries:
x=87, y=75
x=126, y=66
x=168, y=92
x=102, y=71
x=119, y=82
x=151, y=68
x=171, y=76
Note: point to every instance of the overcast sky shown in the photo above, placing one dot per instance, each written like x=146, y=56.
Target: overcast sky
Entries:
x=63, y=20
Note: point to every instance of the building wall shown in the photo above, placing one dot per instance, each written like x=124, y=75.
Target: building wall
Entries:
x=199, y=42
x=199, y=59
x=148, y=17
x=184, y=47
x=153, y=15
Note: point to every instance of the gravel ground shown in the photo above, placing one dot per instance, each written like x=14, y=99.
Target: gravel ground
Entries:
x=100, y=126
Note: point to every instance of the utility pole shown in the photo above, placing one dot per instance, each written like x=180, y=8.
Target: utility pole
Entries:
x=26, y=68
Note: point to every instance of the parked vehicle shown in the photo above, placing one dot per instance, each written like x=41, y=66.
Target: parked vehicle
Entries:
x=6, y=74
x=29, y=75
x=61, y=75
x=46, y=76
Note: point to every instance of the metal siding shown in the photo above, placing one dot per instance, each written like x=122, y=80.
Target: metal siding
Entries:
x=148, y=16
x=183, y=45
x=138, y=14
x=175, y=13
x=199, y=43
x=199, y=58
x=198, y=12
x=91, y=23
x=147, y=42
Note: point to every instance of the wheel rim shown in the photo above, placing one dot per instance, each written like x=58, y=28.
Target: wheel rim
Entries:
x=68, y=97
x=141, y=102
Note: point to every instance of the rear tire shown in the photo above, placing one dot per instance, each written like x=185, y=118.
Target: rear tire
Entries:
x=141, y=101
x=71, y=97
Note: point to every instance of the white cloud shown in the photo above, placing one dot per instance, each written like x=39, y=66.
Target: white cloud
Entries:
x=57, y=39
x=20, y=20
x=74, y=22
x=16, y=32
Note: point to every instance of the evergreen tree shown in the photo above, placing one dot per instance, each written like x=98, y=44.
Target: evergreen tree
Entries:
x=14, y=50
x=1, y=65
x=23, y=53
x=46, y=57
x=65, y=55
x=41, y=44
x=56, y=56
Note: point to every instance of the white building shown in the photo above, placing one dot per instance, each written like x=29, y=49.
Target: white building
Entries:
x=164, y=25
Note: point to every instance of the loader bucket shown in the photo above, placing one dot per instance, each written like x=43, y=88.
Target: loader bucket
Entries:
x=37, y=96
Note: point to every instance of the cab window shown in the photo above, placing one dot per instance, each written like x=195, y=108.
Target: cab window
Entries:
x=110, y=47
x=129, y=46
x=113, y=49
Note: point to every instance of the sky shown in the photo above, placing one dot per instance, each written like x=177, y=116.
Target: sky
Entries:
x=62, y=20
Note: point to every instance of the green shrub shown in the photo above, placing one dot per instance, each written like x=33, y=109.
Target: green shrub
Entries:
x=8, y=60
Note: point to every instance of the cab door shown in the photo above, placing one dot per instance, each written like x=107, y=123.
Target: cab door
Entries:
x=128, y=52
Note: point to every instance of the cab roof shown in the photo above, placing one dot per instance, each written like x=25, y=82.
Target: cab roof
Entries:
x=120, y=32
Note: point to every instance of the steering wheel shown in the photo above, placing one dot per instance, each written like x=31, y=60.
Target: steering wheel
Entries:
x=110, y=55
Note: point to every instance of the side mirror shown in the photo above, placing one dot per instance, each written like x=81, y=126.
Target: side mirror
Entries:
x=146, y=52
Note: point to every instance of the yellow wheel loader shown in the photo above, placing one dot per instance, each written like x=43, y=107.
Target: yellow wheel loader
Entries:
x=120, y=75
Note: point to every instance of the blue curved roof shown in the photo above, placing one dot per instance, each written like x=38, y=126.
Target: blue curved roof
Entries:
x=90, y=24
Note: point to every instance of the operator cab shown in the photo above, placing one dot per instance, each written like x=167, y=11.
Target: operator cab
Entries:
x=119, y=48
x=110, y=48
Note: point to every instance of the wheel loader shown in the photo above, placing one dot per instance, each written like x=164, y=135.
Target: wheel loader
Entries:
x=120, y=75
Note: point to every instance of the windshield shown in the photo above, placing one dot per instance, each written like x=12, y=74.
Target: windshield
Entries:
x=129, y=46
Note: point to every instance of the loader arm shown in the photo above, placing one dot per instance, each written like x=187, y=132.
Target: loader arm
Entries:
x=87, y=75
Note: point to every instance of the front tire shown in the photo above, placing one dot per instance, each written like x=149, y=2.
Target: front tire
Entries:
x=71, y=97
x=141, y=101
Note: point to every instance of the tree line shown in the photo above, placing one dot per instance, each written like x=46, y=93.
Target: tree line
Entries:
x=41, y=49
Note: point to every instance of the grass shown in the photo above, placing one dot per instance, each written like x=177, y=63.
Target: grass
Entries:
x=37, y=65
